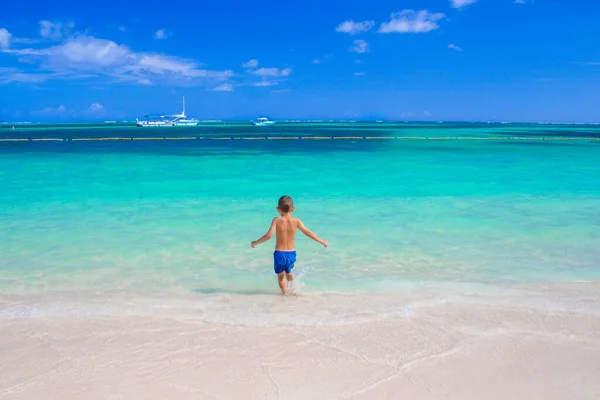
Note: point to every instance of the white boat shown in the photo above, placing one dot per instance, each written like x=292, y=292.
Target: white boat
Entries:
x=262, y=122
x=154, y=121
x=168, y=120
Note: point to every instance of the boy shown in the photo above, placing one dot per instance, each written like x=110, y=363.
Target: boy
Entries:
x=285, y=226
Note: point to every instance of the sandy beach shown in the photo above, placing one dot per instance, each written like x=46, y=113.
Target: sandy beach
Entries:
x=446, y=351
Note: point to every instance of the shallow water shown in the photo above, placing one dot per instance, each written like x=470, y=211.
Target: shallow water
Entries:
x=87, y=227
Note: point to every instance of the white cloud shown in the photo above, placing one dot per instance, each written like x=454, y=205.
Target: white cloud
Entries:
x=357, y=61
x=269, y=76
x=322, y=59
x=162, y=65
x=161, y=34
x=226, y=87
x=454, y=47
x=55, y=30
x=410, y=21
x=360, y=46
x=89, y=56
x=88, y=52
x=9, y=75
x=122, y=28
x=251, y=64
x=427, y=113
x=26, y=52
x=25, y=40
x=53, y=110
x=461, y=3
x=272, y=72
x=4, y=38
x=159, y=64
x=96, y=107
x=265, y=83
x=354, y=28
x=591, y=63
x=359, y=73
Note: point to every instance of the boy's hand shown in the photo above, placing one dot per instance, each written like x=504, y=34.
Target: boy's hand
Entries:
x=325, y=244
x=252, y=244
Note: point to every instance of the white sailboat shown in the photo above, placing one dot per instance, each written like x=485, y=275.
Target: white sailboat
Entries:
x=168, y=120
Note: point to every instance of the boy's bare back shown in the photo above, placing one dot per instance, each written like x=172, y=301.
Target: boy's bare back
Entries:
x=285, y=232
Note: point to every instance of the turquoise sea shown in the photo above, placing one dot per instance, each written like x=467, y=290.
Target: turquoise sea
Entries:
x=150, y=226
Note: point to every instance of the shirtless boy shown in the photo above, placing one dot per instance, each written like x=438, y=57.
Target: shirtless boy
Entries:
x=285, y=227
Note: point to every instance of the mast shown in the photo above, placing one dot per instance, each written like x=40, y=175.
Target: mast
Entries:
x=183, y=113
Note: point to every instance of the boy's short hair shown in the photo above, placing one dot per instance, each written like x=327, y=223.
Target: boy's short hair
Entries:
x=285, y=203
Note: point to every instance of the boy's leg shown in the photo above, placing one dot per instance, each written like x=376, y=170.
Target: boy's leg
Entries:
x=282, y=282
x=290, y=282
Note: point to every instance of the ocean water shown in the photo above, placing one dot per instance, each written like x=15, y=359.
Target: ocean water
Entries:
x=164, y=227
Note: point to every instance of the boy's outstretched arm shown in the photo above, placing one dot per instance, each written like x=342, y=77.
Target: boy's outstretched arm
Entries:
x=310, y=234
x=266, y=236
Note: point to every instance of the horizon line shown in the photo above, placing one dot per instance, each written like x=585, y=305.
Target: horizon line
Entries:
x=309, y=120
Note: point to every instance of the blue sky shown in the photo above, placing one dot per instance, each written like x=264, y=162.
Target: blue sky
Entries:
x=523, y=60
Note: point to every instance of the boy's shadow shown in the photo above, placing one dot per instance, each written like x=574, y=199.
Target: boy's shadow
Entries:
x=247, y=292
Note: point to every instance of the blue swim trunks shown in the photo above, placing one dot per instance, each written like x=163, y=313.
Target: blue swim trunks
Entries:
x=284, y=261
